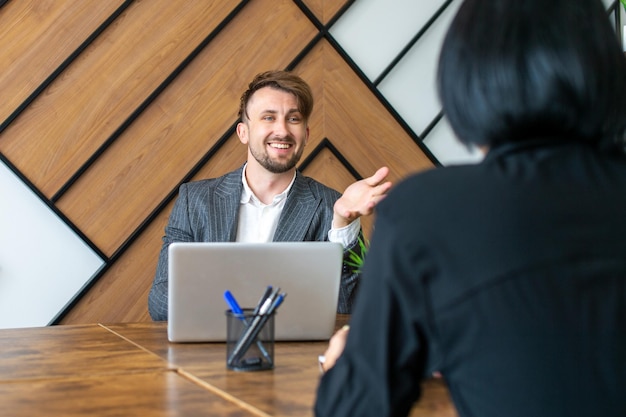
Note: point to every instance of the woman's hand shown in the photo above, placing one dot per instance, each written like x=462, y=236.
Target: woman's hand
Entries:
x=335, y=348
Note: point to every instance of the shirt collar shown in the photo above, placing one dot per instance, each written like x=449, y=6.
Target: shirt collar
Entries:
x=247, y=196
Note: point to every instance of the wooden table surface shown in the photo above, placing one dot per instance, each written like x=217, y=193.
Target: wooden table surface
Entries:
x=90, y=371
x=287, y=390
x=132, y=369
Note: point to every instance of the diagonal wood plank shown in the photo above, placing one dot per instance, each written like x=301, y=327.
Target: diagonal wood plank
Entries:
x=65, y=126
x=37, y=36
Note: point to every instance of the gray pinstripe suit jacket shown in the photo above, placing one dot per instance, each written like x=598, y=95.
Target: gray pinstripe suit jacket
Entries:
x=207, y=211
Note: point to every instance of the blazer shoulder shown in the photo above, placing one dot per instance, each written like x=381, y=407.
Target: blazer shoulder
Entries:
x=228, y=181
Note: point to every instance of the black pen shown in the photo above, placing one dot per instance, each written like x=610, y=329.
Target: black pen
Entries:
x=266, y=294
x=275, y=304
x=269, y=306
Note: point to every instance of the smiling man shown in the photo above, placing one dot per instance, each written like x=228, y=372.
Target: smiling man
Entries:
x=267, y=199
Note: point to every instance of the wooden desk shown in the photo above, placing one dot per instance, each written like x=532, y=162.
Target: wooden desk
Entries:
x=288, y=390
x=90, y=371
x=67, y=351
x=131, y=369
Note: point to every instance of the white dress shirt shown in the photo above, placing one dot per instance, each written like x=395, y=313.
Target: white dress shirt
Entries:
x=257, y=221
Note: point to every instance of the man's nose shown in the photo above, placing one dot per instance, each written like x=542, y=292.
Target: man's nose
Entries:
x=281, y=128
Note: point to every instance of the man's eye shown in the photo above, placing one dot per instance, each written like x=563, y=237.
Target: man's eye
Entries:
x=268, y=118
x=294, y=119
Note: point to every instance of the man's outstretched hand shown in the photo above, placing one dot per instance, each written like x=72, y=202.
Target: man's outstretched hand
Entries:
x=360, y=198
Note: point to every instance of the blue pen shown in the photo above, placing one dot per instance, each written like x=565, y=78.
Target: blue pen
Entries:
x=277, y=302
x=234, y=306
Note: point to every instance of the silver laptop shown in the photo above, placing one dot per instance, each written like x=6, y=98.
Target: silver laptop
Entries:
x=199, y=274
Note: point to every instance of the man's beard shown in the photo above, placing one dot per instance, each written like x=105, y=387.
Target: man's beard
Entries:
x=276, y=167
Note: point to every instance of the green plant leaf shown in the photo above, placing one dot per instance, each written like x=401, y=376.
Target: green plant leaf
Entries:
x=355, y=259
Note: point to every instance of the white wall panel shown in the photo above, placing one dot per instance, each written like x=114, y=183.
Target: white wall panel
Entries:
x=442, y=142
x=373, y=32
x=411, y=87
x=43, y=263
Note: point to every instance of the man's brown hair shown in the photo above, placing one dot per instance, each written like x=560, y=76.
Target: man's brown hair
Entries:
x=281, y=80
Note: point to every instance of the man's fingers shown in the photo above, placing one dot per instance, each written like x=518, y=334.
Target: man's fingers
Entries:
x=378, y=176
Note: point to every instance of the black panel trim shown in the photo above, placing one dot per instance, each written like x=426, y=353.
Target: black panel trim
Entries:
x=432, y=124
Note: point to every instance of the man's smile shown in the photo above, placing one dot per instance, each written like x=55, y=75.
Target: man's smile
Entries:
x=277, y=145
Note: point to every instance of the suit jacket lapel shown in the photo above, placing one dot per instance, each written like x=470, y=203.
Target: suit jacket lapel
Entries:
x=225, y=207
x=297, y=214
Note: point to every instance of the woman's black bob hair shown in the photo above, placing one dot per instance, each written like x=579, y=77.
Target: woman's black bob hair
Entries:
x=521, y=70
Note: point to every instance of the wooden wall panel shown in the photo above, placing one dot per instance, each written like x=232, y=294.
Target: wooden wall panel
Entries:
x=37, y=36
x=98, y=92
x=231, y=155
x=121, y=199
